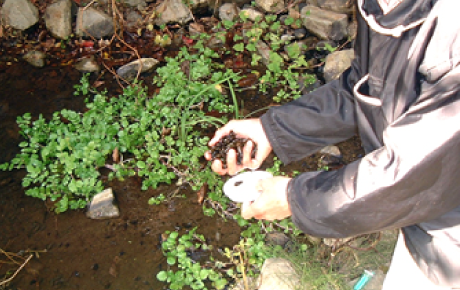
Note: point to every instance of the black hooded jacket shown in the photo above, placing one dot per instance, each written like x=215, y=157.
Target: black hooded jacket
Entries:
x=402, y=95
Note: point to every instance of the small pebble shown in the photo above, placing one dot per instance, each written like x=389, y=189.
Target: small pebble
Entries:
x=300, y=33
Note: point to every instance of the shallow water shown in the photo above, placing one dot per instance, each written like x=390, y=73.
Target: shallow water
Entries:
x=122, y=253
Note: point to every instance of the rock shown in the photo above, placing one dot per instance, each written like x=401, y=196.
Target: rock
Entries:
x=87, y=64
x=252, y=14
x=228, y=11
x=139, y=4
x=94, y=22
x=58, y=18
x=129, y=71
x=215, y=3
x=352, y=29
x=323, y=23
x=279, y=274
x=277, y=239
x=264, y=51
x=300, y=33
x=215, y=42
x=331, y=242
x=331, y=150
x=102, y=206
x=339, y=6
x=336, y=63
x=173, y=11
x=133, y=20
x=252, y=284
x=19, y=14
x=195, y=29
x=35, y=58
x=271, y=5
x=287, y=38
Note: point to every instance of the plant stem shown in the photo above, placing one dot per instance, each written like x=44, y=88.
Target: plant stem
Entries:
x=235, y=103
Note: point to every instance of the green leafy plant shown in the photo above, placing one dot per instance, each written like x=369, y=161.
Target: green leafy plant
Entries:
x=156, y=137
x=189, y=272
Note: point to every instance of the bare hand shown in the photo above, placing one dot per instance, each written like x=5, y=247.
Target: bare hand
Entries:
x=272, y=204
x=250, y=128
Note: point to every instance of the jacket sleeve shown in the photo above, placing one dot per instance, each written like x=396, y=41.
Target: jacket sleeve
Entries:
x=411, y=179
x=322, y=117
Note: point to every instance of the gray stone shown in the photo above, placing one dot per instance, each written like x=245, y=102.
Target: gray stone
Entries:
x=135, y=3
x=129, y=71
x=271, y=5
x=339, y=6
x=252, y=14
x=323, y=23
x=215, y=42
x=331, y=242
x=94, y=22
x=331, y=150
x=300, y=33
x=276, y=239
x=228, y=11
x=264, y=52
x=352, y=29
x=213, y=3
x=287, y=38
x=87, y=64
x=133, y=19
x=102, y=206
x=173, y=11
x=35, y=58
x=279, y=274
x=252, y=284
x=58, y=18
x=19, y=14
x=195, y=29
x=336, y=63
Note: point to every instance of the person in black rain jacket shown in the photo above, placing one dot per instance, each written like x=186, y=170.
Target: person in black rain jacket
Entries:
x=402, y=96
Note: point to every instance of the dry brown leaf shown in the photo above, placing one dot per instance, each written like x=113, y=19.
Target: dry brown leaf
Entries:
x=116, y=155
x=196, y=26
x=202, y=193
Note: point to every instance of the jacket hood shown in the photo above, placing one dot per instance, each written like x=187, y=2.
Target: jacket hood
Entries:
x=407, y=15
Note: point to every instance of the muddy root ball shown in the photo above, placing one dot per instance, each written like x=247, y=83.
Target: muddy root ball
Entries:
x=230, y=141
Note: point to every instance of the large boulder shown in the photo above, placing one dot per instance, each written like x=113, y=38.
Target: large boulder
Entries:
x=19, y=14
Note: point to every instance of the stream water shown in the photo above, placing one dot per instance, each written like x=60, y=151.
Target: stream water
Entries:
x=72, y=251
x=75, y=252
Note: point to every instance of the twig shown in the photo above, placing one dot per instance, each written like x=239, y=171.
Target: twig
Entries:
x=17, y=271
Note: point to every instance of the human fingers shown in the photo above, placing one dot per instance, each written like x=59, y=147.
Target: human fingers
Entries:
x=247, y=160
x=232, y=165
x=207, y=155
x=247, y=212
x=217, y=167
